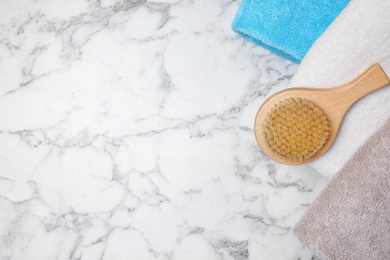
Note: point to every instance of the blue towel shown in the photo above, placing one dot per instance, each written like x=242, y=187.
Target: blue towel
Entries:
x=286, y=27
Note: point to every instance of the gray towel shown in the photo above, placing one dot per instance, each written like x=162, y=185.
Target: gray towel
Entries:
x=351, y=217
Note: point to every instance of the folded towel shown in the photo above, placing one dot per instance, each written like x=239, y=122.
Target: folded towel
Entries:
x=286, y=27
x=351, y=217
x=358, y=37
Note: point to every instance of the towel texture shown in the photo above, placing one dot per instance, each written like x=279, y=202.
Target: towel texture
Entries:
x=351, y=217
x=358, y=37
x=286, y=27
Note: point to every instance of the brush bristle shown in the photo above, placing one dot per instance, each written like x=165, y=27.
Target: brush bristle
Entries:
x=295, y=129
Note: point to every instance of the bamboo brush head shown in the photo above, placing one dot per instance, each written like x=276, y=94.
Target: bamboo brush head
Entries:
x=295, y=129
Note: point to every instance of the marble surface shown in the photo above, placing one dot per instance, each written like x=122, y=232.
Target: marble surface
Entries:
x=126, y=132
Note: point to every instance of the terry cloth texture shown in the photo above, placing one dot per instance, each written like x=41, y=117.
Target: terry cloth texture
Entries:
x=351, y=217
x=286, y=27
x=357, y=38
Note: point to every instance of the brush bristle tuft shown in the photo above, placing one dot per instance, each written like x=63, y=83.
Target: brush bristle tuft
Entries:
x=295, y=129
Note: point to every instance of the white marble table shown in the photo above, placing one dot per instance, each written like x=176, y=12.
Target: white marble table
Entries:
x=126, y=132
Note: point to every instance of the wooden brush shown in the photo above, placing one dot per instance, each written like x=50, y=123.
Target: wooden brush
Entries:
x=298, y=125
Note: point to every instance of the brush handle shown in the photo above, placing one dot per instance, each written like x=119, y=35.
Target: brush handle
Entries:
x=372, y=79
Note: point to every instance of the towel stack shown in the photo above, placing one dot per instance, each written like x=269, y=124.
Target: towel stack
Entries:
x=350, y=219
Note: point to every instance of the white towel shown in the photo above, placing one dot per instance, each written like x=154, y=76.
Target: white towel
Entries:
x=358, y=38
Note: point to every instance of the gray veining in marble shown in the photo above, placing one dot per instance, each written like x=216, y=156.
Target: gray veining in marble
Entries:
x=126, y=132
